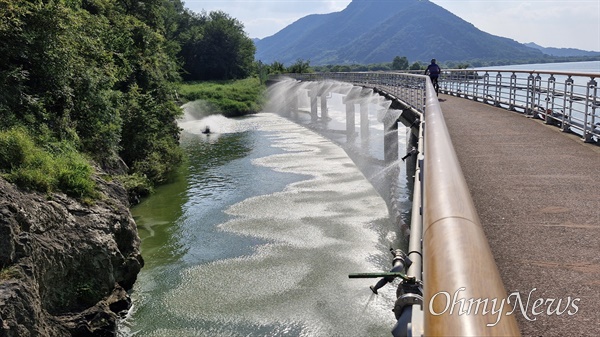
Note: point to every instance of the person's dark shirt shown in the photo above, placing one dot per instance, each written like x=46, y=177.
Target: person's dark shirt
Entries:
x=433, y=70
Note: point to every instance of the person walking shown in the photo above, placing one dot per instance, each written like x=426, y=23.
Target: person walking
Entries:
x=433, y=70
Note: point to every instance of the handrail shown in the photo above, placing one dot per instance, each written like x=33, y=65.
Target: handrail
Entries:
x=457, y=260
x=568, y=100
x=547, y=72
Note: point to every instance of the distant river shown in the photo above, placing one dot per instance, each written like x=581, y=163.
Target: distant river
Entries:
x=257, y=234
x=590, y=66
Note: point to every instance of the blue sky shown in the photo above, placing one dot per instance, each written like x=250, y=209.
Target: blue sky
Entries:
x=549, y=23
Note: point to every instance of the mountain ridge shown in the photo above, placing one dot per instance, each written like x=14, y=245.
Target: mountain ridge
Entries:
x=375, y=31
x=553, y=51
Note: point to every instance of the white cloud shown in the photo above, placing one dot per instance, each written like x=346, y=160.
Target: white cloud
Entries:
x=550, y=23
x=263, y=18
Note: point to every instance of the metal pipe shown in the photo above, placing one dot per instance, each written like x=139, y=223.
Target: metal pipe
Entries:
x=409, y=303
x=457, y=257
x=415, y=248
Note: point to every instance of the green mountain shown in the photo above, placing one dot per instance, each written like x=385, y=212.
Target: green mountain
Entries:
x=375, y=31
x=561, y=52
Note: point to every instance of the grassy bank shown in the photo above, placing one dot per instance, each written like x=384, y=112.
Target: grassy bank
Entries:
x=231, y=98
x=56, y=166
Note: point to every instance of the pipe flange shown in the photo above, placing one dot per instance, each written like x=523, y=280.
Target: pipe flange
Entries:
x=406, y=300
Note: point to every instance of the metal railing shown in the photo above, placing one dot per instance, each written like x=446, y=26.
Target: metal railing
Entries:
x=410, y=88
x=456, y=258
x=568, y=100
x=459, y=265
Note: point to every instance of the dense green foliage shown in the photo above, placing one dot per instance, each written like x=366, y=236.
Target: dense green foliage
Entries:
x=214, y=47
x=400, y=63
x=99, y=77
x=84, y=72
x=299, y=67
x=230, y=98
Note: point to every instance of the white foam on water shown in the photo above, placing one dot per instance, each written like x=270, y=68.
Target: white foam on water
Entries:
x=319, y=230
x=197, y=117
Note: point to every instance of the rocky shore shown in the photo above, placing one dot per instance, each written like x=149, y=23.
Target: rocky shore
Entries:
x=65, y=267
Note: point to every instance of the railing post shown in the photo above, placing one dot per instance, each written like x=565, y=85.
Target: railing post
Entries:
x=469, y=83
x=537, y=91
x=594, y=104
x=588, y=129
x=460, y=85
x=550, y=105
x=565, y=125
x=486, y=87
x=512, y=97
x=476, y=86
x=498, y=94
x=529, y=101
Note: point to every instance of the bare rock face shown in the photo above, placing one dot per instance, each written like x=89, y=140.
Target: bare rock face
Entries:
x=65, y=267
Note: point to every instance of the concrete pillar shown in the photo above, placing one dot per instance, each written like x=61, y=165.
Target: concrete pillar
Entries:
x=390, y=142
x=324, y=113
x=294, y=103
x=364, y=120
x=313, y=105
x=350, y=121
x=350, y=100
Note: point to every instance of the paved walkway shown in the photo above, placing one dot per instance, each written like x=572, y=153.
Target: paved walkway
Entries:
x=537, y=192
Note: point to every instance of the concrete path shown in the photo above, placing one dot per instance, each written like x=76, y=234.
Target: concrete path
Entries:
x=537, y=192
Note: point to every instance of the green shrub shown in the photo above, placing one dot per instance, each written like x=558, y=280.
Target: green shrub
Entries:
x=74, y=175
x=14, y=145
x=157, y=170
x=234, y=108
x=136, y=185
x=33, y=178
x=57, y=167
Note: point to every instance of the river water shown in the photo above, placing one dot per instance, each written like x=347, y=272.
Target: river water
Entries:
x=258, y=232
x=582, y=67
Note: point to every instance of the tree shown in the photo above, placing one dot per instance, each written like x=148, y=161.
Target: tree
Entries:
x=277, y=68
x=214, y=47
x=400, y=63
x=71, y=71
x=299, y=67
x=416, y=66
